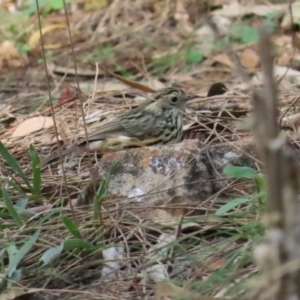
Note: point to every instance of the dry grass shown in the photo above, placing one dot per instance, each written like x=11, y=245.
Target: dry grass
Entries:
x=213, y=255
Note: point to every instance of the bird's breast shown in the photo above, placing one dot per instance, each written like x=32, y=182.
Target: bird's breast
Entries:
x=173, y=128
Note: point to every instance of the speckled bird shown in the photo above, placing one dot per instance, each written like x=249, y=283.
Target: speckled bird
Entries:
x=151, y=123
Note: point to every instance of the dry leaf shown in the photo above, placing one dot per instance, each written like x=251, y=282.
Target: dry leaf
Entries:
x=63, y=129
x=220, y=2
x=285, y=58
x=157, y=6
x=161, y=216
x=35, y=37
x=169, y=291
x=224, y=60
x=262, y=10
x=94, y=5
x=9, y=55
x=61, y=70
x=157, y=84
x=286, y=22
x=182, y=16
x=182, y=77
x=282, y=40
x=291, y=121
x=296, y=40
x=32, y=125
x=110, y=86
x=236, y=10
x=280, y=73
x=249, y=59
x=130, y=83
x=215, y=264
x=113, y=85
x=223, y=24
x=288, y=73
x=4, y=109
x=8, y=50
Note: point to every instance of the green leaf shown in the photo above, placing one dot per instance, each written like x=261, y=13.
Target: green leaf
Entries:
x=250, y=35
x=239, y=172
x=261, y=183
x=15, y=277
x=79, y=244
x=57, y=4
x=52, y=253
x=72, y=227
x=258, y=195
x=11, y=209
x=195, y=56
x=11, y=161
x=270, y=25
x=11, y=251
x=230, y=205
x=36, y=170
x=16, y=257
x=22, y=203
x=102, y=190
x=272, y=14
x=20, y=206
x=244, y=34
x=31, y=6
x=29, y=11
x=11, y=274
x=164, y=63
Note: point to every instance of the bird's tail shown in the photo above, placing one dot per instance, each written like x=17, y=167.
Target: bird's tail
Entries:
x=54, y=156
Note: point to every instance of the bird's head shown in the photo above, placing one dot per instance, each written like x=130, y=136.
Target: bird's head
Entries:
x=174, y=97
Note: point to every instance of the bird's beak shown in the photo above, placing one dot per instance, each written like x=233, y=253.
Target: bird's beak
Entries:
x=190, y=97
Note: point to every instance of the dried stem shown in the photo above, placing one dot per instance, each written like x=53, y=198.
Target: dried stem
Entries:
x=283, y=186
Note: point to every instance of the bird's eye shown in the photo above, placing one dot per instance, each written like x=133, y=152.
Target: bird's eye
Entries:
x=174, y=99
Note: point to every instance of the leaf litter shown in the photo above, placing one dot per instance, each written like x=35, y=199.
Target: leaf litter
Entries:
x=147, y=42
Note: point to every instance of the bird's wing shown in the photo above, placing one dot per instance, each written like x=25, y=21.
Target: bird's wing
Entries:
x=107, y=130
x=117, y=126
x=143, y=125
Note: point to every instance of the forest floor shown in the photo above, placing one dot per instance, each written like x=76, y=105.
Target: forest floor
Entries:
x=53, y=249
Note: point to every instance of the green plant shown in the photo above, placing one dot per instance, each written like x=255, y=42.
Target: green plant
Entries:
x=194, y=56
x=165, y=63
x=187, y=55
x=78, y=242
x=243, y=173
x=11, y=208
x=12, y=273
x=48, y=55
x=102, y=191
x=244, y=34
x=35, y=186
x=45, y=6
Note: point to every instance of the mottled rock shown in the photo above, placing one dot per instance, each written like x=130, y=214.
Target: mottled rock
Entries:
x=188, y=171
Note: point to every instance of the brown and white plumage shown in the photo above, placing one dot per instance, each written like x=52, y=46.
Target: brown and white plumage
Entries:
x=158, y=122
